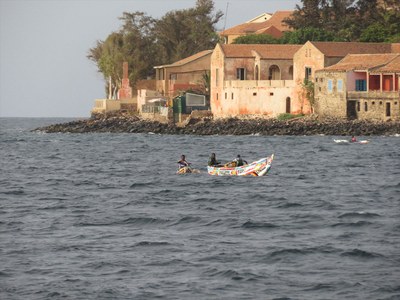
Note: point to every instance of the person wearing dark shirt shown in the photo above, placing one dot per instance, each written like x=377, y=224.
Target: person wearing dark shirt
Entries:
x=213, y=160
x=239, y=161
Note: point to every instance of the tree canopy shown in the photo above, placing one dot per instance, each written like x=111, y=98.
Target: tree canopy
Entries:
x=145, y=42
x=339, y=20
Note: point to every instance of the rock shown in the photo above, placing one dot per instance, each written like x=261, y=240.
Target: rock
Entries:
x=119, y=123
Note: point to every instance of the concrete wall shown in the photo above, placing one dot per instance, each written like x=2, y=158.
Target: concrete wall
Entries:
x=106, y=105
x=143, y=96
x=253, y=97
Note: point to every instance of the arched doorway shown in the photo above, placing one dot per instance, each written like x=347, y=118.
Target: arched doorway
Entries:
x=274, y=73
x=288, y=104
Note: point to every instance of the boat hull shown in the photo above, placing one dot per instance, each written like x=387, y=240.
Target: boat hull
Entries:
x=257, y=168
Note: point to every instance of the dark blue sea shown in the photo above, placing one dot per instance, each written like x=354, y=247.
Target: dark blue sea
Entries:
x=104, y=216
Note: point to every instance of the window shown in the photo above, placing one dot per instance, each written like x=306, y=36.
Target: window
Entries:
x=240, y=74
x=216, y=76
x=226, y=95
x=254, y=94
x=358, y=106
x=330, y=85
x=173, y=76
x=365, y=106
x=387, y=109
x=361, y=85
x=232, y=96
x=308, y=73
x=340, y=85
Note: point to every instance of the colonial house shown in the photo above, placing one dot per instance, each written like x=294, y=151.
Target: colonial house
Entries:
x=184, y=74
x=252, y=80
x=362, y=86
x=273, y=26
x=315, y=56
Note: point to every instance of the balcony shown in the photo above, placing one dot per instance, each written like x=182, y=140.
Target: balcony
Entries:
x=356, y=95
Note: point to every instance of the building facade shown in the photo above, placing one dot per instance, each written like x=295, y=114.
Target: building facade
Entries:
x=362, y=86
x=252, y=80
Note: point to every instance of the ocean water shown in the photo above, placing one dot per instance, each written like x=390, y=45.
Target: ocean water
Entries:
x=104, y=216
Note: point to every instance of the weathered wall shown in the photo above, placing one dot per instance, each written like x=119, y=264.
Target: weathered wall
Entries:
x=306, y=57
x=252, y=97
x=231, y=97
x=332, y=104
x=372, y=105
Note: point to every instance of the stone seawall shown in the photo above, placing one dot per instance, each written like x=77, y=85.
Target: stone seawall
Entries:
x=232, y=126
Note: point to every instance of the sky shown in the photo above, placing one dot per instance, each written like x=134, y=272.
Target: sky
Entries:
x=44, y=71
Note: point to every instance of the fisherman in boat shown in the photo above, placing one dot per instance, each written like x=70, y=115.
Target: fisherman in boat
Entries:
x=239, y=161
x=212, y=162
x=353, y=139
x=182, y=162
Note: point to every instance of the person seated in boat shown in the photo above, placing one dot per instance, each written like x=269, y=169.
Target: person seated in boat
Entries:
x=239, y=161
x=212, y=162
x=353, y=139
x=183, y=162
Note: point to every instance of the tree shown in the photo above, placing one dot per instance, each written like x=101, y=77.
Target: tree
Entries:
x=303, y=35
x=256, y=39
x=183, y=33
x=133, y=43
x=309, y=15
x=145, y=42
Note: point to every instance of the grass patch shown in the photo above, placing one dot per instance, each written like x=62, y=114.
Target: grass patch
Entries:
x=287, y=116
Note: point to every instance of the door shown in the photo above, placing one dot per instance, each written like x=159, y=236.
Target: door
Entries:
x=288, y=108
x=351, y=110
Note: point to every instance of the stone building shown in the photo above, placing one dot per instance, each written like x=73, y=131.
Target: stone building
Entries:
x=315, y=56
x=252, y=80
x=362, y=86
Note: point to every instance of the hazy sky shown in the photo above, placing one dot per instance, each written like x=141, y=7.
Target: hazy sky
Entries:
x=44, y=71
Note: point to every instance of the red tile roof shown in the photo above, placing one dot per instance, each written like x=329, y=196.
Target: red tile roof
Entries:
x=269, y=51
x=354, y=62
x=341, y=49
x=187, y=59
x=393, y=66
x=248, y=28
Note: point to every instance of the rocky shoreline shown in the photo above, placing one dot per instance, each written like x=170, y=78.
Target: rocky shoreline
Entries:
x=207, y=126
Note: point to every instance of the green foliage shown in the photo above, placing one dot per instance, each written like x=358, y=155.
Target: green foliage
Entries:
x=182, y=33
x=303, y=35
x=376, y=33
x=286, y=116
x=145, y=42
x=256, y=39
x=309, y=88
x=344, y=20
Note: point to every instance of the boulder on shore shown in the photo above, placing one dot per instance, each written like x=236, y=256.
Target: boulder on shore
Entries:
x=124, y=123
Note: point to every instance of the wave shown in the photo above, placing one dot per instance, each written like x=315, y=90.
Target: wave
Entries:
x=352, y=224
x=258, y=225
x=357, y=253
x=151, y=244
x=359, y=214
x=130, y=221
